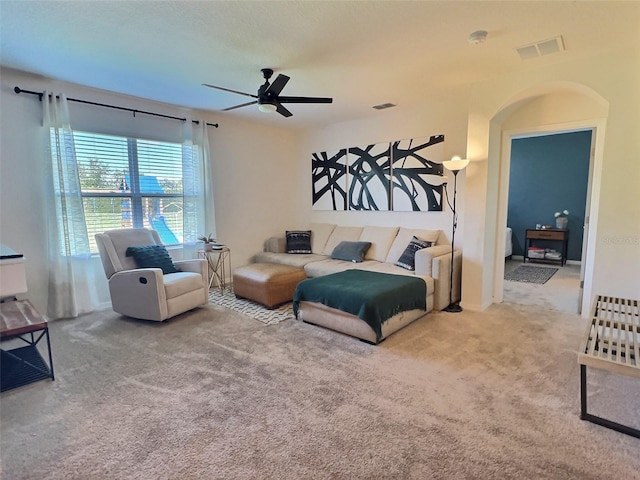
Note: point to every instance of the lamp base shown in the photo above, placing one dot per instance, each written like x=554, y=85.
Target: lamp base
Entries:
x=453, y=308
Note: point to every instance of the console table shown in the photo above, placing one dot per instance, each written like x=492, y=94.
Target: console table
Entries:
x=537, y=237
x=612, y=343
x=23, y=365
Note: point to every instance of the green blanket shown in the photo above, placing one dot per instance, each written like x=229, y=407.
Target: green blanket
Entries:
x=372, y=296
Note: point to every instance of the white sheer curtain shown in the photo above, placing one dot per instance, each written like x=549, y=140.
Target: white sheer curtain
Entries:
x=72, y=273
x=199, y=213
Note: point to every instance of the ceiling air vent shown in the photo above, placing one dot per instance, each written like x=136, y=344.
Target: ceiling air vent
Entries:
x=382, y=106
x=544, y=47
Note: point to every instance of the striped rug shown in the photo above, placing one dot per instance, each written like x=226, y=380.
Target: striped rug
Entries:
x=251, y=309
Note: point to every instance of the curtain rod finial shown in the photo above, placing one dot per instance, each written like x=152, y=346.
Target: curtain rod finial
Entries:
x=17, y=89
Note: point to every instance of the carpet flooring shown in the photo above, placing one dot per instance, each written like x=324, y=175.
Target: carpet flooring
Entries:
x=251, y=309
x=529, y=274
x=213, y=394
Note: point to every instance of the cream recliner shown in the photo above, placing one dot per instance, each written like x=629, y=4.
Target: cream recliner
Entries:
x=145, y=292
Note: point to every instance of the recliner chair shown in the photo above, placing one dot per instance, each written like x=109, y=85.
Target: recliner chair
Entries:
x=146, y=293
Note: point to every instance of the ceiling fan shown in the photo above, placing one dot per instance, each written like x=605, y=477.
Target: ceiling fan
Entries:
x=268, y=97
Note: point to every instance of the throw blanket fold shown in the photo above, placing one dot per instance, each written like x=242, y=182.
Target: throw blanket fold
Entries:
x=371, y=296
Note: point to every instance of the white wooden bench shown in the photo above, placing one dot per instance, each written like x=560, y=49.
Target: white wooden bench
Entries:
x=611, y=343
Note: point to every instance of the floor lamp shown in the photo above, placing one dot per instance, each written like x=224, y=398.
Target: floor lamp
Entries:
x=454, y=165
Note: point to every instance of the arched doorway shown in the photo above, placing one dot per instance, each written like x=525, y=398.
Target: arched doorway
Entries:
x=544, y=108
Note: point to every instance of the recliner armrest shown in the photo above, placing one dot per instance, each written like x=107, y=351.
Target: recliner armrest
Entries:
x=195, y=265
x=139, y=293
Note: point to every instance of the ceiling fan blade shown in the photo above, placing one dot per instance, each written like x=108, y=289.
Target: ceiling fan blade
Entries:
x=238, y=106
x=277, y=85
x=281, y=110
x=305, y=100
x=229, y=90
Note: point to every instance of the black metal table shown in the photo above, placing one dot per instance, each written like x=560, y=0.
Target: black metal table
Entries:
x=23, y=365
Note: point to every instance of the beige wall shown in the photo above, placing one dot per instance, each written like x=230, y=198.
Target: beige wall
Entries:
x=251, y=168
x=611, y=80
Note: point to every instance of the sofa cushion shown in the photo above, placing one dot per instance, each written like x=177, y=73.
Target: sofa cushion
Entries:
x=152, y=256
x=351, y=251
x=298, y=241
x=319, y=235
x=287, y=259
x=408, y=258
x=340, y=234
x=390, y=268
x=404, y=237
x=327, y=266
x=381, y=239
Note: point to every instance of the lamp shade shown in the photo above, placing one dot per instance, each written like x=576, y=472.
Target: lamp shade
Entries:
x=267, y=107
x=456, y=163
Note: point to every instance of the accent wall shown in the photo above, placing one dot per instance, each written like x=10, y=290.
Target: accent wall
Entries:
x=549, y=174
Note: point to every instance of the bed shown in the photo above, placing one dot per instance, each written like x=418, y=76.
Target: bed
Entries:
x=364, y=304
x=508, y=244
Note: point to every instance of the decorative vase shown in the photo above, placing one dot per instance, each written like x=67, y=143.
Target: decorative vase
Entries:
x=208, y=247
x=561, y=223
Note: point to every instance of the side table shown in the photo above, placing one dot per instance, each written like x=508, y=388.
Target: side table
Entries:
x=23, y=365
x=533, y=237
x=219, y=260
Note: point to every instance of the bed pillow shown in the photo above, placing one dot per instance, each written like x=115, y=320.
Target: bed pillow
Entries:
x=298, y=241
x=350, y=251
x=152, y=256
x=408, y=258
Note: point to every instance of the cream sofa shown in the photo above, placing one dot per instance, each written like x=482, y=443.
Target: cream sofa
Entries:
x=432, y=264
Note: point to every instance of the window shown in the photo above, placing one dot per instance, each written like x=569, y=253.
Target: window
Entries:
x=128, y=182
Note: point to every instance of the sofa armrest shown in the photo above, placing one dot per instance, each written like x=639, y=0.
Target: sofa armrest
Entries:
x=139, y=293
x=424, y=258
x=275, y=245
x=435, y=262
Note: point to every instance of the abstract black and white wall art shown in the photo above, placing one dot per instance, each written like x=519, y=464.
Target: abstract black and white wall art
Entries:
x=403, y=175
x=370, y=177
x=417, y=174
x=329, y=180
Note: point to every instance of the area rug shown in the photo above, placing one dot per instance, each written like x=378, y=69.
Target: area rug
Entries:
x=251, y=309
x=529, y=274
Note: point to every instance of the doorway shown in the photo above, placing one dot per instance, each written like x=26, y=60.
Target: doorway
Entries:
x=548, y=177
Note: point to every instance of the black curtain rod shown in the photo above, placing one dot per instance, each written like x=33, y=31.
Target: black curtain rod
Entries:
x=134, y=111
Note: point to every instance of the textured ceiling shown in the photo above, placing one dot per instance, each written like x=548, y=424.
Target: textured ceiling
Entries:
x=360, y=53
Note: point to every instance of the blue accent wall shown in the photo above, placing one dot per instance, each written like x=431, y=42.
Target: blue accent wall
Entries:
x=549, y=174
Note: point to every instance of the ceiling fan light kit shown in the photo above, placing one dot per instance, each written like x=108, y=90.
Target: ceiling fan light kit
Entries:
x=267, y=107
x=268, y=98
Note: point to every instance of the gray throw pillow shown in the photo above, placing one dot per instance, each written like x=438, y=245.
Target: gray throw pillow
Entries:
x=350, y=251
x=152, y=256
x=408, y=258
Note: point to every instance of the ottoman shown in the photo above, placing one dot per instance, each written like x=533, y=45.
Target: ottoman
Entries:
x=270, y=284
